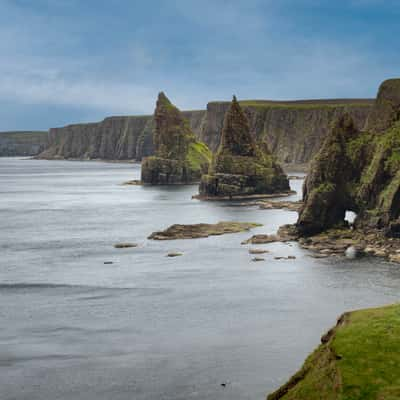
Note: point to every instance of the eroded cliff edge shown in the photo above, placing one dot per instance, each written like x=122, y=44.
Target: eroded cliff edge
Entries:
x=293, y=130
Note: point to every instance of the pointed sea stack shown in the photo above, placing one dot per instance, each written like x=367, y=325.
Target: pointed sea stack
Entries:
x=241, y=167
x=179, y=158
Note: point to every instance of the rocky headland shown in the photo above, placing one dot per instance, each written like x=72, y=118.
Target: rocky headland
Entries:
x=356, y=170
x=179, y=158
x=242, y=166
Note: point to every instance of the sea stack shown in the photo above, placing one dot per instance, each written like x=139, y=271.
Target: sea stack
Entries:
x=179, y=158
x=241, y=167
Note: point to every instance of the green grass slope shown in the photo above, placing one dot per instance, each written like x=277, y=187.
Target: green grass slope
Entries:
x=359, y=359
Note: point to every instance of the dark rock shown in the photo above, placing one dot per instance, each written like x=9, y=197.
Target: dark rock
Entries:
x=174, y=254
x=124, y=245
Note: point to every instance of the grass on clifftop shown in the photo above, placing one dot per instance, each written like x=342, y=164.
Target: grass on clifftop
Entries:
x=317, y=104
x=360, y=360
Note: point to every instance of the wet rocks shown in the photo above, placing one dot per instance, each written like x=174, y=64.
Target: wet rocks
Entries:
x=174, y=254
x=134, y=182
x=125, y=245
x=281, y=205
x=196, y=231
x=285, y=258
x=286, y=233
x=262, y=239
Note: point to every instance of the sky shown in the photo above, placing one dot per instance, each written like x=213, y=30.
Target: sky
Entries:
x=68, y=61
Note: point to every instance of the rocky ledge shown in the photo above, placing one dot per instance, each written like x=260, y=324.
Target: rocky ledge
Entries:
x=179, y=157
x=241, y=167
x=196, y=231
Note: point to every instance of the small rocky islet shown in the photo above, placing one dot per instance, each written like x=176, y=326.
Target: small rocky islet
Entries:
x=196, y=231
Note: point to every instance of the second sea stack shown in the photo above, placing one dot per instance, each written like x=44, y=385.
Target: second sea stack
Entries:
x=179, y=158
x=241, y=167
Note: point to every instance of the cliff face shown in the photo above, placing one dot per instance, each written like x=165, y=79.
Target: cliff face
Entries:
x=359, y=171
x=179, y=157
x=114, y=138
x=241, y=166
x=21, y=143
x=293, y=130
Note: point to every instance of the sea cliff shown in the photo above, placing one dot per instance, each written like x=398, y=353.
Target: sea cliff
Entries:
x=22, y=143
x=293, y=130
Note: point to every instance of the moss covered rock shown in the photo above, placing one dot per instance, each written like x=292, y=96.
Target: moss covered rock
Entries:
x=241, y=166
x=357, y=171
x=179, y=157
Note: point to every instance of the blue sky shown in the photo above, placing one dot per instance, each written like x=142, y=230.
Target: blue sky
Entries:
x=65, y=61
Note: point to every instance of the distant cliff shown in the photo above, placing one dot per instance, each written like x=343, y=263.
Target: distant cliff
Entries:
x=294, y=130
x=114, y=138
x=22, y=143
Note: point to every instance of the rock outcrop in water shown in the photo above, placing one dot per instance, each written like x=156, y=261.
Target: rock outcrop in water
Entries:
x=179, y=157
x=358, y=171
x=241, y=166
x=293, y=130
x=196, y=231
x=22, y=143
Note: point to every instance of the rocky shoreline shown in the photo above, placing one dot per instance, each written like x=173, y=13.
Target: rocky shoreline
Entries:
x=337, y=242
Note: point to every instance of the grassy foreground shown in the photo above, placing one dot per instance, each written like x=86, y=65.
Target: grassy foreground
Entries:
x=358, y=359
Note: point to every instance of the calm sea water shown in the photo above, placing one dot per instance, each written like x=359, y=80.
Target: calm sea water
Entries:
x=147, y=326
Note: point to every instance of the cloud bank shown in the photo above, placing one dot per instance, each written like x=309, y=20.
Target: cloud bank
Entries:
x=99, y=58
